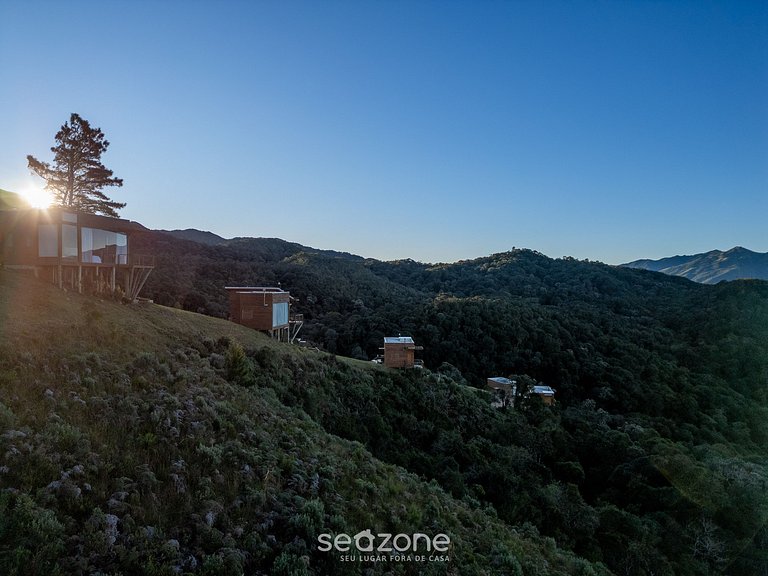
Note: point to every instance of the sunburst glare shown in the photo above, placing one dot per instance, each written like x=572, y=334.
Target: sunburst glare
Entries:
x=36, y=196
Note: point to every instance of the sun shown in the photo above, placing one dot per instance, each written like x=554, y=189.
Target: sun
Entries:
x=36, y=196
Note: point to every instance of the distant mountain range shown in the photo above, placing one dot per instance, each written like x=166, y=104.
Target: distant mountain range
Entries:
x=711, y=267
x=707, y=268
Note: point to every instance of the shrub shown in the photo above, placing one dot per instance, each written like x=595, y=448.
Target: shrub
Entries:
x=237, y=365
x=32, y=537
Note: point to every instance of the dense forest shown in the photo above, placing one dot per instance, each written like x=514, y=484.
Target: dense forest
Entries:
x=654, y=459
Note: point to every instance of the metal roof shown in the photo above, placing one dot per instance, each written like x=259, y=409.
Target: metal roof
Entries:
x=258, y=289
x=398, y=340
x=502, y=380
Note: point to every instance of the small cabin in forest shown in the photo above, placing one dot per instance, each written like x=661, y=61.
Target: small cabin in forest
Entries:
x=505, y=392
x=263, y=308
x=72, y=249
x=503, y=389
x=400, y=352
x=546, y=393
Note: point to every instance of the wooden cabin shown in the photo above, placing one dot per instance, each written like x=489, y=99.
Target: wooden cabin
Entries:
x=504, y=391
x=400, y=352
x=546, y=393
x=266, y=309
x=76, y=250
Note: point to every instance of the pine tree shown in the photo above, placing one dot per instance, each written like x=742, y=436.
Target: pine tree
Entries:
x=77, y=175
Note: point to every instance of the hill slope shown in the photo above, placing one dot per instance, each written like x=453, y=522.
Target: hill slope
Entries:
x=711, y=267
x=658, y=440
x=201, y=236
x=142, y=440
x=10, y=200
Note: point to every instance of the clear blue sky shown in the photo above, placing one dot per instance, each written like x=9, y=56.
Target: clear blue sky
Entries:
x=432, y=130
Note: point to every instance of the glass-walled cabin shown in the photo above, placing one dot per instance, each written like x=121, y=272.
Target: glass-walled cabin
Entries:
x=27, y=235
x=69, y=247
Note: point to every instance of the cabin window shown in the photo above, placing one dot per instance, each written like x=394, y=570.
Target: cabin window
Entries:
x=68, y=241
x=121, y=244
x=91, y=244
x=280, y=314
x=48, y=241
x=103, y=246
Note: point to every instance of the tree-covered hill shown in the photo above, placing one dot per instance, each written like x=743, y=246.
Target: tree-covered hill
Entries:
x=653, y=459
x=203, y=237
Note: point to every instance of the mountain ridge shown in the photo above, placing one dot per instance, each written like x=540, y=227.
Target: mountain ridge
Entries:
x=711, y=267
x=207, y=238
x=195, y=235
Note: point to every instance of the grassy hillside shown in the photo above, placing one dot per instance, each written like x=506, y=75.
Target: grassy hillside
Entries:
x=145, y=439
x=9, y=200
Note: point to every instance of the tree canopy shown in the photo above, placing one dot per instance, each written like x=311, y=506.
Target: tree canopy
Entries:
x=77, y=176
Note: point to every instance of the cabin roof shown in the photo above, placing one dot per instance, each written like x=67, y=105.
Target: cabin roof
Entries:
x=502, y=380
x=54, y=215
x=398, y=340
x=256, y=289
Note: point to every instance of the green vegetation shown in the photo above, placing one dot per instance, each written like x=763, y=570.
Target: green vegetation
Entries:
x=653, y=461
x=658, y=443
x=149, y=440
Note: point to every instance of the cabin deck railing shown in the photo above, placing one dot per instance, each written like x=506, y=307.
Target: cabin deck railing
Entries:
x=141, y=260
